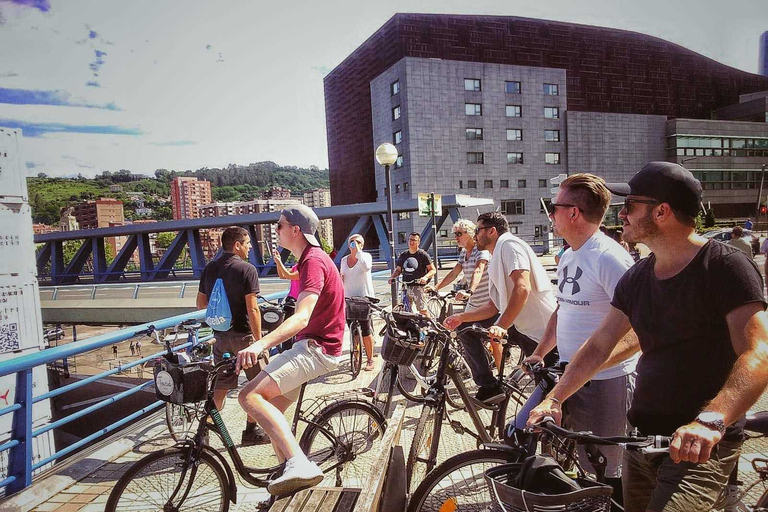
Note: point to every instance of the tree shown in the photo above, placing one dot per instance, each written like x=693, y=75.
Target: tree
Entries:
x=164, y=240
x=710, y=220
x=42, y=175
x=163, y=175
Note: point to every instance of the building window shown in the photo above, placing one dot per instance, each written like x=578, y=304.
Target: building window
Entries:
x=487, y=183
x=461, y=184
x=513, y=207
x=473, y=109
x=471, y=183
x=512, y=87
x=443, y=233
x=401, y=237
x=514, y=134
x=552, y=135
x=551, y=90
x=504, y=184
x=513, y=230
x=514, y=111
x=406, y=186
x=542, y=183
x=403, y=215
x=475, y=158
x=396, y=113
x=522, y=183
x=394, y=88
x=397, y=189
x=546, y=207
x=472, y=84
x=399, y=162
x=474, y=134
x=397, y=136
x=552, y=158
x=552, y=112
x=514, y=158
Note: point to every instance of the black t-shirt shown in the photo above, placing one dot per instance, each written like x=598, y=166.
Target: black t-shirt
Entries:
x=687, y=353
x=240, y=279
x=414, y=265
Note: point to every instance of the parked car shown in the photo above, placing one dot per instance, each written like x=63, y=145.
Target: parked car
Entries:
x=724, y=234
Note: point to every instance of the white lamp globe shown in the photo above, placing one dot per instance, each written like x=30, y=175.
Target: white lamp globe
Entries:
x=386, y=154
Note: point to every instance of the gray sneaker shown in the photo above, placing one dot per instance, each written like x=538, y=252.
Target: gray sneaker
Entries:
x=299, y=473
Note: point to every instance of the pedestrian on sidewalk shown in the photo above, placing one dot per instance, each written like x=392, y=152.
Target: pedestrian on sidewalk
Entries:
x=133, y=348
x=114, y=351
x=358, y=282
x=138, y=348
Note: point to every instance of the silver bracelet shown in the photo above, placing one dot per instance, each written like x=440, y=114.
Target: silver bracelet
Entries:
x=554, y=400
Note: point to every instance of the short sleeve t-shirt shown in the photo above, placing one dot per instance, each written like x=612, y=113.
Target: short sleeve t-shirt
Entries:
x=687, y=353
x=512, y=253
x=319, y=275
x=414, y=265
x=586, y=279
x=240, y=279
x=468, y=263
x=357, y=279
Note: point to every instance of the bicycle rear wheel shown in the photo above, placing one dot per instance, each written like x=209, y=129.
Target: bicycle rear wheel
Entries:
x=343, y=440
x=150, y=483
x=458, y=483
x=385, y=388
x=182, y=419
x=356, y=350
x=435, y=309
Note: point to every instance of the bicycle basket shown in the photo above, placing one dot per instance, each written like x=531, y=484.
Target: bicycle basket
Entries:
x=581, y=495
x=271, y=316
x=358, y=309
x=180, y=383
x=402, y=340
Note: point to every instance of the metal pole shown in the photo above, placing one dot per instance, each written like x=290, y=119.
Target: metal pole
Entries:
x=390, y=233
x=760, y=193
x=434, y=231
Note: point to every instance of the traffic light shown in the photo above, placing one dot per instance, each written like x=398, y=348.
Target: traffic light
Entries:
x=763, y=209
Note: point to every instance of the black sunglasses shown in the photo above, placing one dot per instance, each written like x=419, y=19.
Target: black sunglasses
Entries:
x=629, y=202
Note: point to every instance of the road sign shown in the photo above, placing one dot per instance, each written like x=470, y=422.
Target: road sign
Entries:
x=425, y=206
x=556, y=181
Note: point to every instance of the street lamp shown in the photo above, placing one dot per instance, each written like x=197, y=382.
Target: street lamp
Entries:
x=386, y=155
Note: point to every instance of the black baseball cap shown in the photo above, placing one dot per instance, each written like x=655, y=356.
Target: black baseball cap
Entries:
x=666, y=182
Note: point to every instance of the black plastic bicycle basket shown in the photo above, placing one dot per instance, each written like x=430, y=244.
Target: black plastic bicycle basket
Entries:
x=506, y=497
x=271, y=316
x=180, y=383
x=402, y=339
x=358, y=309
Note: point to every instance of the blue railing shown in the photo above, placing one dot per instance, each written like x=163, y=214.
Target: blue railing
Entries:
x=20, y=461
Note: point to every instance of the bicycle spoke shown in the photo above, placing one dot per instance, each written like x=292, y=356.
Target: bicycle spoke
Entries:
x=463, y=489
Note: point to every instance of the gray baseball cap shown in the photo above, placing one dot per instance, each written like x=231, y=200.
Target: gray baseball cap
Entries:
x=306, y=219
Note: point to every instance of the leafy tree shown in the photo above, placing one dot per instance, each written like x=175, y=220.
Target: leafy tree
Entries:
x=164, y=240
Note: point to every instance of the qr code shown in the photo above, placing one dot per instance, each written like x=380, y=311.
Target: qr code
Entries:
x=9, y=337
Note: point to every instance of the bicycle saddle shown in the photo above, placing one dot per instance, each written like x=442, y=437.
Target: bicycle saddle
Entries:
x=757, y=422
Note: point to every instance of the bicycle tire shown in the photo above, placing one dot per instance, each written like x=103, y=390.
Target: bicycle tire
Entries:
x=347, y=459
x=356, y=350
x=422, y=456
x=459, y=493
x=385, y=388
x=463, y=371
x=435, y=309
x=182, y=419
x=762, y=502
x=408, y=386
x=209, y=491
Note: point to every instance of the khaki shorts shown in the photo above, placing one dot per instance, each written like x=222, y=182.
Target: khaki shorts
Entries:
x=233, y=342
x=418, y=297
x=301, y=363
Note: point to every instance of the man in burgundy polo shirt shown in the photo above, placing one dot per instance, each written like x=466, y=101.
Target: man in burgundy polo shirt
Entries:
x=318, y=325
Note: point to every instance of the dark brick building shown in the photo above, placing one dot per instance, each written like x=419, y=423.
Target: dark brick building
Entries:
x=607, y=70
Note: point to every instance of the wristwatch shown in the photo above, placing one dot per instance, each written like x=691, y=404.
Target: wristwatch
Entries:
x=713, y=420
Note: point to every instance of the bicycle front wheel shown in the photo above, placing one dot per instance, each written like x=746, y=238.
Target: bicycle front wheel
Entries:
x=458, y=484
x=162, y=481
x=343, y=441
x=422, y=457
x=385, y=387
x=182, y=419
x=356, y=350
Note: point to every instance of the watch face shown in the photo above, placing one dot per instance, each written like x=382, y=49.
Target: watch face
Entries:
x=710, y=417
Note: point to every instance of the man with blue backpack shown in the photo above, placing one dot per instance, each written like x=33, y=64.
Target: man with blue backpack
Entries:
x=229, y=289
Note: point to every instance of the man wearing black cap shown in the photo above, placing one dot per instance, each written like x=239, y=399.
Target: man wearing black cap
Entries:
x=318, y=325
x=698, y=310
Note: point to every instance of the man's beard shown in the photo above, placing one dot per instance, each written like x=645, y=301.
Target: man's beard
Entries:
x=641, y=230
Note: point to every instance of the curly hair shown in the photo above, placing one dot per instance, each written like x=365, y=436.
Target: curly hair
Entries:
x=465, y=225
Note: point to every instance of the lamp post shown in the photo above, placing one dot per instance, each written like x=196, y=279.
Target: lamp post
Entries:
x=386, y=155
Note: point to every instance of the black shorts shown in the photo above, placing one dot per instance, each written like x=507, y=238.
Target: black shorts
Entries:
x=365, y=326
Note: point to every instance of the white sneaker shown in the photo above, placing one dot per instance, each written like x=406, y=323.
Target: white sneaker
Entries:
x=299, y=473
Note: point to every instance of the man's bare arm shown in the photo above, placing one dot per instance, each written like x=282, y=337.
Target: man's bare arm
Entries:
x=522, y=288
x=254, y=314
x=201, y=301
x=627, y=346
x=450, y=277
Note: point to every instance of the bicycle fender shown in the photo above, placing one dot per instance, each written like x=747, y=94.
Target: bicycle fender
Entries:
x=228, y=470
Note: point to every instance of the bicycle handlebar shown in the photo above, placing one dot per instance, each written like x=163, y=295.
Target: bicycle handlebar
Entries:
x=646, y=444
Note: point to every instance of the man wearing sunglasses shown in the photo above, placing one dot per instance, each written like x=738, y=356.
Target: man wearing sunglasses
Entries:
x=698, y=310
x=318, y=325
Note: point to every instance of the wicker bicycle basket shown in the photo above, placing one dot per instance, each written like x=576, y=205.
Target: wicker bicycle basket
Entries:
x=358, y=309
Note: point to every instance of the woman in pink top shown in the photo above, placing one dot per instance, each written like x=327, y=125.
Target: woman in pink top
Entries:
x=289, y=306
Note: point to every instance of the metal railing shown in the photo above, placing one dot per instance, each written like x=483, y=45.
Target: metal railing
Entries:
x=132, y=291
x=20, y=462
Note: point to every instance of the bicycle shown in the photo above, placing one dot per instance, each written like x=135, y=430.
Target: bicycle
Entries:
x=468, y=490
x=358, y=310
x=422, y=457
x=343, y=428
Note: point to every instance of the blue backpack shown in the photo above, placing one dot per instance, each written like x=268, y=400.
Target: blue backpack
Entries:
x=218, y=315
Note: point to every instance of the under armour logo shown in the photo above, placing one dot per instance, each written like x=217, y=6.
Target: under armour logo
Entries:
x=572, y=280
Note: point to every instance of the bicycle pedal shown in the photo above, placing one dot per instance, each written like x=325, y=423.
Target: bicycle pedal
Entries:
x=457, y=426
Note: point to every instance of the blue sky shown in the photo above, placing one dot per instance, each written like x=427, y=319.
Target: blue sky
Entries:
x=141, y=85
